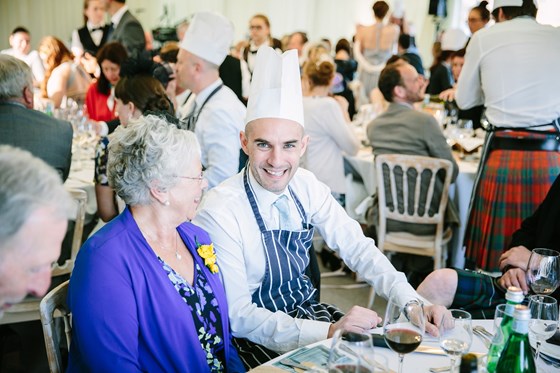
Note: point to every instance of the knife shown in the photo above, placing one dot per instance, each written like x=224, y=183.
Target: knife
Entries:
x=379, y=341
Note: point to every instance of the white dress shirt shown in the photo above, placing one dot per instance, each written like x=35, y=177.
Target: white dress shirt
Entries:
x=329, y=137
x=226, y=215
x=32, y=59
x=217, y=130
x=116, y=18
x=512, y=69
x=96, y=36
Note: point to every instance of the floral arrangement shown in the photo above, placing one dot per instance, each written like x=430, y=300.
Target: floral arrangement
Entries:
x=207, y=253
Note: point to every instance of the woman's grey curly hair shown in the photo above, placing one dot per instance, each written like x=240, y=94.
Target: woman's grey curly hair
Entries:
x=148, y=153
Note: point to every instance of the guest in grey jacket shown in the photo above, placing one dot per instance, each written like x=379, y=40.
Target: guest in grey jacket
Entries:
x=125, y=28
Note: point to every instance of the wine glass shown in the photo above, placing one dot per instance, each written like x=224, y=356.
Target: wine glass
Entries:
x=351, y=352
x=542, y=271
x=544, y=319
x=404, y=326
x=455, y=335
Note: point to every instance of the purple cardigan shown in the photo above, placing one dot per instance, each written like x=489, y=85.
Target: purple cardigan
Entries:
x=127, y=315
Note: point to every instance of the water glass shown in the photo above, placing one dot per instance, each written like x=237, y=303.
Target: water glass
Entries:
x=455, y=335
x=351, y=352
x=543, y=271
x=544, y=319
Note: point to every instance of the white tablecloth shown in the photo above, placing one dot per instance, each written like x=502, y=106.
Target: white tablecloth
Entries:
x=413, y=362
x=81, y=177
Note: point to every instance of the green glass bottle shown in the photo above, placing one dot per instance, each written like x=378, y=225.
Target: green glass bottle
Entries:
x=517, y=356
x=514, y=296
x=469, y=364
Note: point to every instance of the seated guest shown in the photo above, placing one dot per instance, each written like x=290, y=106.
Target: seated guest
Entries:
x=44, y=136
x=408, y=51
x=63, y=77
x=145, y=293
x=479, y=293
x=34, y=207
x=346, y=68
x=20, y=43
x=100, y=102
x=136, y=93
x=441, y=77
x=262, y=222
x=327, y=125
x=403, y=130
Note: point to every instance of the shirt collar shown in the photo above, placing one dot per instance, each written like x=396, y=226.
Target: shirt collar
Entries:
x=116, y=18
x=91, y=26
x=202, y=95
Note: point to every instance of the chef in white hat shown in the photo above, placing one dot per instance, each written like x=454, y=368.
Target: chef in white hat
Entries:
x=262, y=221
x=215, y=114
x=512, y=69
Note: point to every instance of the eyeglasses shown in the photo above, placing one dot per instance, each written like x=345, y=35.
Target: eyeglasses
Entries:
x=255, y=27
x=199, y=178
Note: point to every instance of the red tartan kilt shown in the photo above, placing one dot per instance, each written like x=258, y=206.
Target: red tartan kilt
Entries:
x=512, y=185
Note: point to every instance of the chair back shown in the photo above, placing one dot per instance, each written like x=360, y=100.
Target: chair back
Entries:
x=80, y=198
x=54, y=305
x=407, y=189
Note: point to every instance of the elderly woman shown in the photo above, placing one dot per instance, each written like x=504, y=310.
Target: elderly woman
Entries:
x=63, y=77
x=145, y=293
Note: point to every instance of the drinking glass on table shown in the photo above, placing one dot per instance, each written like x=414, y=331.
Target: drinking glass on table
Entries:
x=351, y=352
x=404, y=326
x=544, y=319
x=542, y=271
x=455, y=335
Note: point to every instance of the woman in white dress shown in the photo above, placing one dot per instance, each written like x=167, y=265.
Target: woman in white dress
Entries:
x=328, y=125
x=63, y=77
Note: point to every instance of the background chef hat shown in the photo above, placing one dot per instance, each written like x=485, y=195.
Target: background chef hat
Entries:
x=453, y=40
x=501, y=3
x=209, y=36
x=276, y=87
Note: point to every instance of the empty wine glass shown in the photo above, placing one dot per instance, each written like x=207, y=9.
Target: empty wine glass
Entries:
x=542, y=271
x=544, y=319
x=351, y=352
x=404, y=326
x=455, y=335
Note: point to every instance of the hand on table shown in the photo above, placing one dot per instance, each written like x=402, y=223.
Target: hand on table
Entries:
x=434, y=316
x=358, y=320
x=514, y=277
x=517, y=257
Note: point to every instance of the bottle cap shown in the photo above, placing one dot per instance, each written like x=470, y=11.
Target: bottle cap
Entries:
x=514, y=294
x=521, y=312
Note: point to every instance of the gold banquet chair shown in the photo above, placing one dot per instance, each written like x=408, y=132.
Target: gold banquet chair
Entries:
x=411, y=205
x=54, y=305
x=28, y=309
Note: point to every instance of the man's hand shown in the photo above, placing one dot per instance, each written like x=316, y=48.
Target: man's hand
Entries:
x=434, y=315
x=448, y=94
x=357, y=320
x=514, y=277
x=517, y=257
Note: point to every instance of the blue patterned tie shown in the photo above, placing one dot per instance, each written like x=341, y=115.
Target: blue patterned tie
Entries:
x=282, y=205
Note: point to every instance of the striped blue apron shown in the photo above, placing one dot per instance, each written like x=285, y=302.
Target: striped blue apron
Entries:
x=285, y=286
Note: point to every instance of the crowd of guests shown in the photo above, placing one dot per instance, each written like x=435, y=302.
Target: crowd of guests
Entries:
x=264, y=134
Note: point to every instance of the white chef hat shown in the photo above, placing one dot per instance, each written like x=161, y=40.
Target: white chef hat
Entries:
x=209, y=36
x=501, y=3
x=275, y=87
x=453, y=40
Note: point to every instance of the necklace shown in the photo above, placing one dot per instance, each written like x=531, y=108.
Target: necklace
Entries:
x=164, y=247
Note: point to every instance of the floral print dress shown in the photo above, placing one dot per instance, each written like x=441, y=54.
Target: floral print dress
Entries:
x=205, y=313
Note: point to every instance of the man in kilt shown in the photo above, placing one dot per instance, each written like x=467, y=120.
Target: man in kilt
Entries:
x=511, y=68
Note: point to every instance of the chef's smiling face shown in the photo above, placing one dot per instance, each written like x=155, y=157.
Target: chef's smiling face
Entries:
x=274, y=147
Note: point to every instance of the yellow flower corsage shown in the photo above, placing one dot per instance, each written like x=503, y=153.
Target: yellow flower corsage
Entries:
x=207, y=253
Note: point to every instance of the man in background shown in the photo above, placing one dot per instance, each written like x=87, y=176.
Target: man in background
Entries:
x=20, y=43
x=125, y=28
x=215, y=114
x=45, y=137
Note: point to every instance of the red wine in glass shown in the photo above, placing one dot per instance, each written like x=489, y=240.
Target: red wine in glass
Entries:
x=403, y=341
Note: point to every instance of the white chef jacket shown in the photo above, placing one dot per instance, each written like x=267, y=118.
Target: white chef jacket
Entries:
x=512, y=69
x=227, y=216
x=217, y=130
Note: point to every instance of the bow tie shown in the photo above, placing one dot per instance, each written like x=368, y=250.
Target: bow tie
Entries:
x=254, y=52
x=96, y=29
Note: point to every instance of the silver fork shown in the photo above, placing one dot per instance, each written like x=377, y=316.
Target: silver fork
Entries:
x=483, y=335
